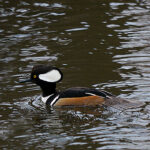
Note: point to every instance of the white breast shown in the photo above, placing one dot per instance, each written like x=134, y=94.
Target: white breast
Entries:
x=44, y=99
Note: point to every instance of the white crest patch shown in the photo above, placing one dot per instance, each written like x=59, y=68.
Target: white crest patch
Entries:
x=51, y=76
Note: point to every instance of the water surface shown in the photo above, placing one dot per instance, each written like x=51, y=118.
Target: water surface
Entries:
x=101, y=44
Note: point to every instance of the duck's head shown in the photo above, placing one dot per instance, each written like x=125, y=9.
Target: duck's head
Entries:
x=46, y=77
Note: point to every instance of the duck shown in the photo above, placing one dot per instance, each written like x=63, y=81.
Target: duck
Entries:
x=47, y=76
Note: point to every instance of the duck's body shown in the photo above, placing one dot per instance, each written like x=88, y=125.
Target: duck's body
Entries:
x=78, y=96
x=47, y=77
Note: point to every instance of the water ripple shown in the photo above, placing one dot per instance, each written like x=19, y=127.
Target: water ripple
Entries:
x=99, y=43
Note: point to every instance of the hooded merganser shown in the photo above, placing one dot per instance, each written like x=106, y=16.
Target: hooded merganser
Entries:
x=47, y=77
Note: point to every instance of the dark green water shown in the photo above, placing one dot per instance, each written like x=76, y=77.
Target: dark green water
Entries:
x=96, y=43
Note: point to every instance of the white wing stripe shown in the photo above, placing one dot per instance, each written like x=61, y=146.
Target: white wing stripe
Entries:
x=91, y=94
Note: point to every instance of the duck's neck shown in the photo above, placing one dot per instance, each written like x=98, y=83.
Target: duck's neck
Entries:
x=48, y=89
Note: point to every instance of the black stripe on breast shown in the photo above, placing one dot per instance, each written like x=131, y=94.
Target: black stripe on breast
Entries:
x=51, y=98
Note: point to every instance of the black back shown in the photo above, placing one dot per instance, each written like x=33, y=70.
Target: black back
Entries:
x=81, y=92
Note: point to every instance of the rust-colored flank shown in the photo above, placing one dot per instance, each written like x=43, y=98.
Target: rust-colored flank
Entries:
x=81, y=101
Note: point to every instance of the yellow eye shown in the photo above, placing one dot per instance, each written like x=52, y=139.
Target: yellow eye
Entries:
x=34, y=76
